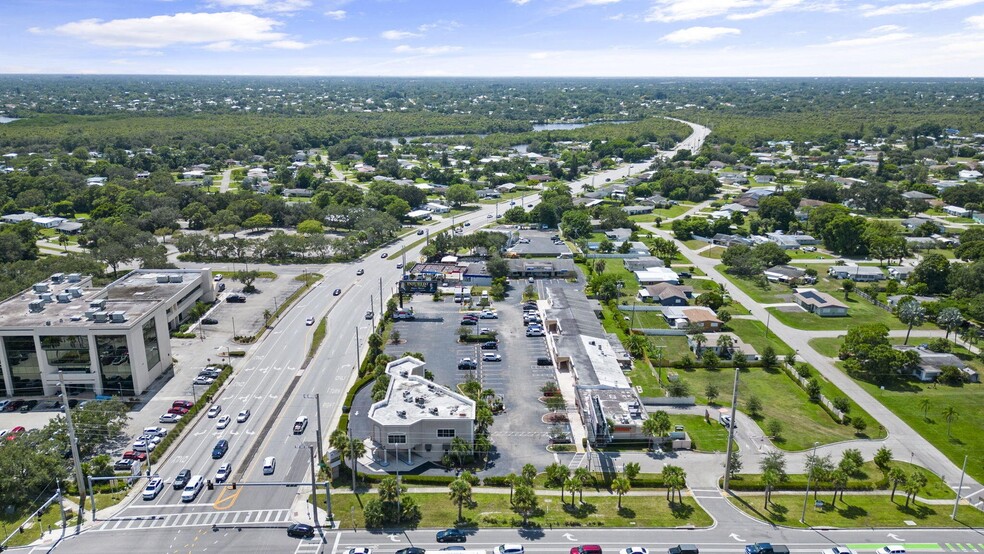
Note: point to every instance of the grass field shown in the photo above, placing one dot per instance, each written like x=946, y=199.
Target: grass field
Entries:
x=713, y=252
x=753, y=332
x=935, y=489
x=707, y=435
x=830, y=347
x=494, y=510
x=855, y=511
x=664, y=214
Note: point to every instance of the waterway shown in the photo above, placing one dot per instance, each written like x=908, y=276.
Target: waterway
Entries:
x=5, y=119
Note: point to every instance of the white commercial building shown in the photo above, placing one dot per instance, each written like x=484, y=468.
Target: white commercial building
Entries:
x=419, y=418
x=108, y=341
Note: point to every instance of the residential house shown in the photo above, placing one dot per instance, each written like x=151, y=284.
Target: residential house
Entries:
x=488, y=193
x=700, y=318
x=956, y=211
x=920, y=243
x=786, y=274
x=931, y=364
x=968, y=174
x=856, y=272
x=914, y=223
x=638, y=209
x=914, y=195
x=642, y=262
x=17, y=218
x=820, y=303
x=506, y=188
x=654, y=275
x=713, y=343
x=721, y=239
x=96, y=181
x=48, y=222
x=899, y=273
x=666, y=294
x=437, y=208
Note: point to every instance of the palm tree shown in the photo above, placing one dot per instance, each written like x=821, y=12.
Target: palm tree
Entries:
x=770, y=478
x=356, y=449
x=658, y=425
x=725, y=343
x=838, y=479
x=949, y=414
x=389, y=490
x=459, y=449
x=620, y=486
x=525, y=501
x=511, y=479
x=573, y=484
x=913, y=485
x=483, y=446
x=583, y=475
x=898, y=477
x=460, y=492
x=675, y=479
x=529, y=474
x=925, y=403
x=699, y=339
x=950, y=319
x=911, y=313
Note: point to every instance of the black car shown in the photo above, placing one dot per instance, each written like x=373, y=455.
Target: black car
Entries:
x=182, y=479
x=451, y=535
x=209, y=321
x=384, y=255
x=469, y=321
x=420, y=231
x=411, y=550
x=467, y=364
x=220, y=449
x=337, y=292
x=123, y=465
x=490, y=345
x=236, y=298
x=301, y=531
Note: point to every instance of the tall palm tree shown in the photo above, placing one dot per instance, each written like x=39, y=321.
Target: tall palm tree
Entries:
x=460, y=492
x=529, y=474
x=911, y=313
x=620, y=486
x=949, y=414
x=483, y=446
x=389, y=490
x=459, y=449
x=512, y=479
x=770, y=478
x=700, y=339
x=573, y=484
x=584, y=476
x=897, y=477
x=925, y=403
x=356, y=449
x=525, y=501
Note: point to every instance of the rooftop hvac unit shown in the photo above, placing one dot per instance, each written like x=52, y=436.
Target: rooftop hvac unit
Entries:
x=63, y=297
x=74, y=277
x=101, y=317
x=46, y=297
x=434, y=410
x=36, y=306
x=175, y=278
x=76, y=318
x=401, y=413
x=57, y=278
x=40, y=287
x=90, y=314
x=117, y=317
x=76, y=292
x=162, y=278
x=420, y=400
x=99, y=304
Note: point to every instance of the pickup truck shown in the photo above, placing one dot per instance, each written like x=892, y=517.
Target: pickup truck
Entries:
x=766, y=548
x=300, y=425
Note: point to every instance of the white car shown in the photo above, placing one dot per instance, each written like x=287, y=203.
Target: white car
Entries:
x=489, y=314
x=491, y=357
x=309, y=321
x=509, y=549
x=225, y=470
x=143, y=446
x=891, y=549
x=635, y=550
x=837, y=550
x=204, y=380
x=214, y=411
x=243, y=416
x=153, y=488
x=224, y=422
x=169, y=418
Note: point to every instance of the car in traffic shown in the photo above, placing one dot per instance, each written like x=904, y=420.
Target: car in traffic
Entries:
x=891, y=549
x=243, y=416
x=488, y=216
x=451, y=535
x=586, y=549
x=420, y=231
x=384, y=255
x=635, y=550
x=683, y=549
x=309, y=321
x=181, y=479
x=411, y=550
x=300, y=531
x=837, y=550
x=223, y=422
x=192, y=489
x=336, y=292
x=269, y=465
x=209, y=321
x=214, y=411
x=399, y=265
x=169, y=418
x=300, y=424
x=223, y=473
x=360, y=271
x=491, y=357
x=220, y=449
x=153, y=488
x=369, y=314
x=509, y=549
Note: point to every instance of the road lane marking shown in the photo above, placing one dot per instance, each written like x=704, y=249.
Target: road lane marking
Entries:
x=227, y=499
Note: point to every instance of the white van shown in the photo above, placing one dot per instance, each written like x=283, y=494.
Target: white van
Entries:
x=192, y=489
x=269, y=465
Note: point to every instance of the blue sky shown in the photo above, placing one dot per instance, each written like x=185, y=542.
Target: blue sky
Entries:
x=495, y=37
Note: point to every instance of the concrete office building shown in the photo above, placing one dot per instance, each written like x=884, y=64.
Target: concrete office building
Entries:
x=108, y=341
x=418, y=418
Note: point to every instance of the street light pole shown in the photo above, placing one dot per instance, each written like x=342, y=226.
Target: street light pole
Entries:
x=314, y=494
x=809, y=478
x=317, y=405
x=731, y=434
x=73, y=441
x=956, y=502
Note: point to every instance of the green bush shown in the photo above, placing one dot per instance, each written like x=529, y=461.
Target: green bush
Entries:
x=237, y=353
x=495, y=481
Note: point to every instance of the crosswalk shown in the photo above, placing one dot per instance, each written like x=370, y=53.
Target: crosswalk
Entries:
x=198, y=519
x=311, y=546
x=964, y=547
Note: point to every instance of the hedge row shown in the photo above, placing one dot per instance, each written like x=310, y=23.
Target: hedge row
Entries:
x=753, y=482
x=175, y=431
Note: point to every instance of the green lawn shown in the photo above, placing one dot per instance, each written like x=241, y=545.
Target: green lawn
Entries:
x=801, y=255
x=859, y=311
x=868, y=477
x=753, y=332
x=664, y=214
x=771, y=294
x=694, y=244
x=707, y=434
x=674, y=347
x=647, y=320
x=830, y=347
x=494, y=510
x=713, y=252
x=859, y=511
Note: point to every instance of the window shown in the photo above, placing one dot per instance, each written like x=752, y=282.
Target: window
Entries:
x=151, y=347
x=445, y=433
x=114, y=364
x=25, y=368
x=396, y=439
x=68, y=353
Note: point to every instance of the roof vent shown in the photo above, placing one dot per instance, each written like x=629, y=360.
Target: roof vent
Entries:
x=401, y=413
x=76, y=292
x=101, y=317
x=420, y=400
x=36, y=306
x=63, y=297
x=40, y=287
x=99, y=304
x=117, y=317
x=175, y=278
x=76, y=318
x=46, y=297
x=57, y=278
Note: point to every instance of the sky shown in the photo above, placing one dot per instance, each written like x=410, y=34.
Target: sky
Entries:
x=461, y=38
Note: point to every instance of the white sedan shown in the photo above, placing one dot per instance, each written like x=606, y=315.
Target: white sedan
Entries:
x=224, y=422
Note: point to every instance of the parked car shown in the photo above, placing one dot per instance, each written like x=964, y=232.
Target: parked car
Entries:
x=769, y=548
x=399, y=265
x=411, y=550
x=491, y=357
x=209, y=321
x=236, y=299
x=469, y=321
x=204, y=381
x=300, y=531
x=467, y=363
x=182, y=404
x=153, y=488
x=243, y=416
x=169, y=418
x=451, y=535
x=134, y=455
x=534, y=332
x=489, y=314
x=123, y=465
x=15, y=432
x=490, y=345
x=178, y=411
x=214, y=411
x=224, y=421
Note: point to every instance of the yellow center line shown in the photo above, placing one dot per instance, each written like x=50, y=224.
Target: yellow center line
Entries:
x=226, y=499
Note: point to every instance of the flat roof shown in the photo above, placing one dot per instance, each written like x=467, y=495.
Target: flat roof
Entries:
x=411, y=398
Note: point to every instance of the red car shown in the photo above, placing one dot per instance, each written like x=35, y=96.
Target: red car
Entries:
x=15, y=432
x=178, y=410
x=131, y=455
x=586, y=549
x=186, y=404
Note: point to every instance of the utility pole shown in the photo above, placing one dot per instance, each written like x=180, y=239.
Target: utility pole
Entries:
x=314, y=493
x=331, y=517
x=357, y=368
x=73, y=442
x=317, y=405
x=731, y=434
x=381, y=299
x=809, y=478
x=959, y=488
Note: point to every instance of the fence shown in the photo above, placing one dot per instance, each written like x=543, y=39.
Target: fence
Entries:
x=614, y=255
x=874, y=301
x=837, y=414
x=661, y=332
x=668, y=400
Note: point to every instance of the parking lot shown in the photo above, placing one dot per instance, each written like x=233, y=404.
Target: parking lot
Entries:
x=518, y=433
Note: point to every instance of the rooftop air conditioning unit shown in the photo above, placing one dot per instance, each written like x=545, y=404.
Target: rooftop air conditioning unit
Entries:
x=98, y=304
x=434, y=410
x=57, y=278
x=117, y=317
x=90, y=314
x=74, y=277
x=401, y=413
x=76, y=292
x=63, y=297
x=40, y=287
x=175, y=278
x=162, y=278
x=46, y=297
x=36, y=306
x=101, y=317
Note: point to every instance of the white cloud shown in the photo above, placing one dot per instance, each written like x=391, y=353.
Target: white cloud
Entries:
x=866, y=41
x=166, y=30
x=869, y=10
x=426, y=50
x=668, y=11
x=223, y=46
x=886, y=29
x=694, y=35
x=399, y=35
x=353, y=39
x=289, y=45
x=769, y=9
x=337, y=15
x=520, y=2
x=277, y=6
x=975, y=21
x=617, y=17
x=441, y=24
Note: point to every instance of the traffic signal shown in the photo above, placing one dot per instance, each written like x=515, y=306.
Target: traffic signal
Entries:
x=209, y=485
x=233, y=486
